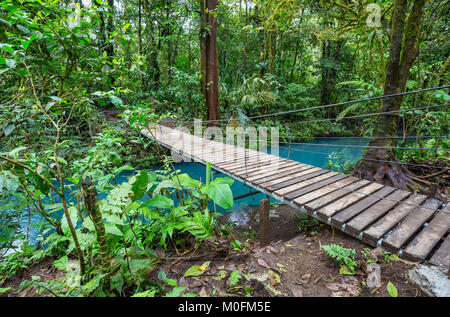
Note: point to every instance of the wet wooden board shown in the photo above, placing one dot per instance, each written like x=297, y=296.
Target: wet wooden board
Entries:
x=291, y=173
x=263, y=165
x=382, y=226
x=256, y=169
x=321, y=192
x=264, y=168
x=255, y=164
x=374, y=212
x=305, y=182
x=297, y=172
x=288, y=170
x=235, y=159
x=297, y=180
x=411, y=224
x=441, y=257
x=338, y=205
x=336, y=194
x=360, y=206
x=313, y=185
x=423, y=243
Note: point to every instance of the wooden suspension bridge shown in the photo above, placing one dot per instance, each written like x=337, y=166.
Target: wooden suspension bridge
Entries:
x=412, y=225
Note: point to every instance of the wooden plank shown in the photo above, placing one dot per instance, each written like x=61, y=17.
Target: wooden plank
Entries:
x=360, y=206
x=273, y=166
x=254, y=164
x=411, y=224
x=376, y=211
x=425, y=241
x=315, y=184
x=304, y=199
x=273, y=175
x=264, y=168
x=441, y=257
x=235, y=160
x=298, y=179
x=382, y=226
x=336, y=206
x=306, y=181
x=335, y=195
x=297, y=172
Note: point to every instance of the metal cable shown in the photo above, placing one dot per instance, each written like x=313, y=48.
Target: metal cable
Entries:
x=336, y=104
x=368, y=159
x=372, y=146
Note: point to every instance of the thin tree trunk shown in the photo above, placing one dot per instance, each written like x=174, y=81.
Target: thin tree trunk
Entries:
x=211, y=63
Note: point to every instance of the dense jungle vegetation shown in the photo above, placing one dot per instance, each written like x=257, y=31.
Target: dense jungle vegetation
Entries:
x=78, y=77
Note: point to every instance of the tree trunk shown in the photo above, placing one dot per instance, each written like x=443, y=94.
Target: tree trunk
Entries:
x=109, y=48
x=211, y=63
x=94, y=213
x=402, y=54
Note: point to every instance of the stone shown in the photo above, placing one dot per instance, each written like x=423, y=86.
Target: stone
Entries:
x=431, y=280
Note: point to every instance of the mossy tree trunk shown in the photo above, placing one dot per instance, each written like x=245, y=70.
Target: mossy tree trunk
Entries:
x=402, y=54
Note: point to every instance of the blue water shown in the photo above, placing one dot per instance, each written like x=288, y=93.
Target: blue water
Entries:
x=315, y=153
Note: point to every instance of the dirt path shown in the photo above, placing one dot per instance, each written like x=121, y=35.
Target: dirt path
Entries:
x=293, y=264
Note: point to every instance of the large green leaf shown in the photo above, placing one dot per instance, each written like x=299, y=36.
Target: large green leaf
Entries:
x=158, y=201
x=139, y=186
x=186, y=181
x=221, y=194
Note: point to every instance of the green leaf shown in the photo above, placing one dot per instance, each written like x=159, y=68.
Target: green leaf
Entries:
x=112, y=229
x=234, y=278
x=62, y=263
x=5, y=289
x=186, y=181
x=392, y=290
x=345, y=270
x=11, y=63
x=126, y=26
x=9, y=129
x=158, y=201
x=223, y=180
x=176, y=291
x=116, y=101
x=147, y=293
x=22, y=28
x=139, y=187
x=221, y=194
x=7, y=47
x=197, y=270
x=162, y=276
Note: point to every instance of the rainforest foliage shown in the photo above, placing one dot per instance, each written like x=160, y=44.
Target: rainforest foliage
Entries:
x=69, y=68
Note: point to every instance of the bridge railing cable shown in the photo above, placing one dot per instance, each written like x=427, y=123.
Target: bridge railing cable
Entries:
x=329, y=105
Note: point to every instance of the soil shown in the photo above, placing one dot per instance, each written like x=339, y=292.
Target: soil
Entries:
x=292, y=264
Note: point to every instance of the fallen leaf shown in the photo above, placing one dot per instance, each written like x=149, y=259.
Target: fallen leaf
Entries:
x=264, y=264
x=281, y=266
x=202, y=293
x=197, y=270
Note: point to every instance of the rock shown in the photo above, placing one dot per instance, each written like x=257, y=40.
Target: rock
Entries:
x=272, y=215
x=238, y=218
x=431, y=280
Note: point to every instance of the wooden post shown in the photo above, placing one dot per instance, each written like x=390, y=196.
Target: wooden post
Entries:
x=264, y=221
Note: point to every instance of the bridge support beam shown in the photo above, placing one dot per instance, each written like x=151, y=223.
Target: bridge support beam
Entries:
x=264, y=221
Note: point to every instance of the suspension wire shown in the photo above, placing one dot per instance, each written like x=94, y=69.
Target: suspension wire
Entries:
x=384, y=137
x=372, y=146
x=363, y=115
x=369, y=114
x=290, y=142
x=336, y=104
x=367, y=159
